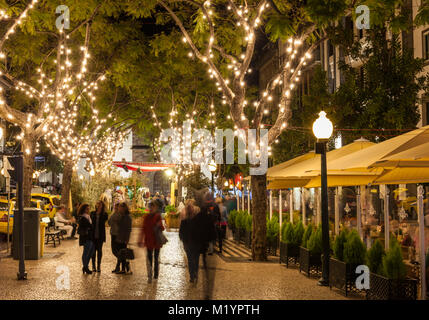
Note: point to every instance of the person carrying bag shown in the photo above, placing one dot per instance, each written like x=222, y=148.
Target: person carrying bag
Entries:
x=152, y=237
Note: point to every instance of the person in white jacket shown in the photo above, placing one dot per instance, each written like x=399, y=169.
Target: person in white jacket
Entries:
x=65, y=224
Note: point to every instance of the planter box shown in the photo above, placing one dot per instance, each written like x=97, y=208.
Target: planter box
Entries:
x=289, y=253
x=272, y=247
x=137, y=222
x=248, y=239
x=381, y=288
x=309, y=263
x=236, y=234
x=342, y=276
x=172, y=221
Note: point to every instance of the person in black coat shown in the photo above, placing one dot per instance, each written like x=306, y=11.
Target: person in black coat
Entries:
x=99, y=218
x=86, y=234
x=197, y=232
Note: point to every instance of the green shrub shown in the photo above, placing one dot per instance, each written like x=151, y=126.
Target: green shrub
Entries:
x=354, y=249
x=273, y=229
x=239, y=220
x=338, y=245
x=288, y=233
x=282, y=232
x=375, y=257
x=170, y=208
x=231, y=219
x=315, y=245
x=307, y=234
x=249, y=221
x=393, y=263
x=298, y=232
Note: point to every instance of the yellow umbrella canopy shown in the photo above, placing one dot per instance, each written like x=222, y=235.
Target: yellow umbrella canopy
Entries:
x=404, y=176
x=343, y=180
x=413, y=157
x=364, y=159
x=273, y=171
x=311, y=167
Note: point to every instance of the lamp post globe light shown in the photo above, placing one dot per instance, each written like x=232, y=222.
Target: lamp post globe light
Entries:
x=212, y=168
x=322, y=129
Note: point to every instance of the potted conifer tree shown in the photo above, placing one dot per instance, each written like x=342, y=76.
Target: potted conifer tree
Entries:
x=291, y=239
x=349, y=252
x=311, y=251
x=388, y=277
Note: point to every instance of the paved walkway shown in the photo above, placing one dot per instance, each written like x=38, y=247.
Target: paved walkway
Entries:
x=226, y=280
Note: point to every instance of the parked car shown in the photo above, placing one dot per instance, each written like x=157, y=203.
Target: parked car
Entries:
x=5, y=210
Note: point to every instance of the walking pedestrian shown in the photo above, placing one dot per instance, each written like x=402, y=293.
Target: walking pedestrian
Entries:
x=187, y=234
x=123, y=237
x=85, y=236
x=221, y=225
x=148, y=238
x=214, y=214
x=99, y=218
x=114, y=232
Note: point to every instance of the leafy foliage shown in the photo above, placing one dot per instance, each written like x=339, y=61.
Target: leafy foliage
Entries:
x=354, y=249
x=273, y=229
x=307, y=234
x=315, y=245
x=231, y=219
x=393, y=263
x=339, y=244
x=375, y=257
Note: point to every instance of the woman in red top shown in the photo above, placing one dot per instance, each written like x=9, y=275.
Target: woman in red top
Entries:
x=148, y=239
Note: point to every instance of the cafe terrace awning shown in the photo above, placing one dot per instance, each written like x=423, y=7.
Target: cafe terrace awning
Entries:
x=274, y=170
x=414, y=157
x=404, y=176
x=342, y=180
x=142, y=166
x=369, y=157
x=311, y=167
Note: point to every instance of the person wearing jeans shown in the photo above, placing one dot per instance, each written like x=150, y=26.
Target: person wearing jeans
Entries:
x=99, y=218
x=85, y=236
x=148, y=238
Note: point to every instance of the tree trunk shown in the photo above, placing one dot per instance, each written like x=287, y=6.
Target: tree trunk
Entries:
x=66, y=184
x=259, y=211
x=29, y=151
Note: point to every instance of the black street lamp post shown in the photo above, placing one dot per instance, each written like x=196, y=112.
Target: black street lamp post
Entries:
x=322, y=129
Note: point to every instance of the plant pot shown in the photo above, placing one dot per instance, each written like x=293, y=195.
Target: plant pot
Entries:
x=382, y=288
x=248, y=239
x=342, y=275
x=240, y=235
x=309, y=263
x=137, y=222
x=272, y=246
x=289, y=253
x=172, y=221
x=236, y=234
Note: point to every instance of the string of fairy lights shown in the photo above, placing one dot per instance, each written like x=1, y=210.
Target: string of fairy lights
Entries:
x=232, y=85
x=60, y=99
x=182, y=139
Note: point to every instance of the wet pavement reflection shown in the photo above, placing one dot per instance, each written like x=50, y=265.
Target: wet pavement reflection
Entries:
x=221, y=280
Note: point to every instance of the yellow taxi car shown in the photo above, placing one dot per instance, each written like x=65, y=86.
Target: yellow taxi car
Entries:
x=4, y=213
x=49, y=202
x=5, y=210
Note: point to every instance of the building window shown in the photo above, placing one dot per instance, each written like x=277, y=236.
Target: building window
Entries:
x=425, y=48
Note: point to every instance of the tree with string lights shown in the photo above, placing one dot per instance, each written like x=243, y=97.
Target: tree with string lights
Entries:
x=35, y=110
x=222, y=35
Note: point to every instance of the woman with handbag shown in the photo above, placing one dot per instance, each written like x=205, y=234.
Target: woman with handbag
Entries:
x=85, y=236
x=99, y=218
x=123, y=237
x=152, y=238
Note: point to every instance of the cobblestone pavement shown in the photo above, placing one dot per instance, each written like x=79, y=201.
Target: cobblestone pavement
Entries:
x=225, y=280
